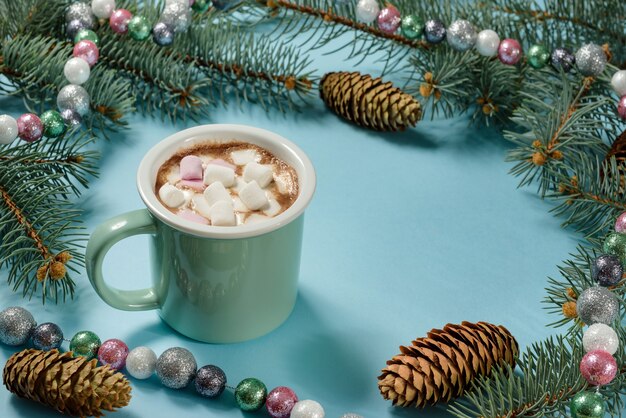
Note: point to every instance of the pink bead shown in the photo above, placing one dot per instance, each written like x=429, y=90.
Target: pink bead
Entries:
x=620, y=223
x=219, y=161
x=119, y=20
x=113, y=352
x=389, y=19
x=191, y=168
x=88, y=51
x=621, y=107
x=598, y=367
x=29, y=127
x=193, y=217
x=280, y=402
x=509, y=51
x=197, y=185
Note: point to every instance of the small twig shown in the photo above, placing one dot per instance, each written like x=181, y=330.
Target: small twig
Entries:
x=588, y=81
x=72, y=159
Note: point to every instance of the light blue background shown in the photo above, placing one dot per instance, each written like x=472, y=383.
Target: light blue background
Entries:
x=407, y=232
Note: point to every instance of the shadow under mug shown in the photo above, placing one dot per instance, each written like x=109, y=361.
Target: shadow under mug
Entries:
x=216, y=284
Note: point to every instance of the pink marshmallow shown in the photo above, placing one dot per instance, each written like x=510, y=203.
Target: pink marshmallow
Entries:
x=191, y=168
x=193, y=217
x=197, y=185
x=219, y=161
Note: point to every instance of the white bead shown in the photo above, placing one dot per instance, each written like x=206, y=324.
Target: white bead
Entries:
x=367, y=10
x=8, y=129
x=307, y=409
x=600, y=337
x=102, y=8
x=618, y=82
x=76, y=70
x=487, y=43
x=351, y=415
x=141, y=362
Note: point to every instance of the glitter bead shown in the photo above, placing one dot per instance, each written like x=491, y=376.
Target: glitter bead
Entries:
x=113, y=352
x=587, y=405
x=538, y=56
x=487, y=43
x=351, y=415
x=88, y=51
x=53, y=125
x=8, y=129
x=29, y=127
x=176, y=367
x=597, y=305
x=600, y=337
x=201, y=5
x=177, y=15
x=591, y=60
x=80, y=11
x=434, y=31
x=598, y=367
x=389, y=20
x=102, y=8
x=73, y=97
x=250, y=394
x=461, y=35
x=367, y=10
x=87, y=34
x=562, y=58
x=16, y=326
x=615, y=244
x=74, y=27
x=621, y=107
x=47, y=336
x=76, y=70
x=280, y=401
x=509, y=51
x=86, y=344
x=141, y=362
x=620, y=223
x=119, y=20
x=71, y=118
x=618, y=82
x=607, y=270
x=162, y=34
x=210, y=381
x=412, y=26
x=139, y=28
x=307, y=409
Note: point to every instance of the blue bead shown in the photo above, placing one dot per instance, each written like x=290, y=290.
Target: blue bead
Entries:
x=47, y=336
x=163, y=34
x=434, y=31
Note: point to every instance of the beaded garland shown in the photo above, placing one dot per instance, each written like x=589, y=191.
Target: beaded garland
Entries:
x=590, y=59
x=176, y=367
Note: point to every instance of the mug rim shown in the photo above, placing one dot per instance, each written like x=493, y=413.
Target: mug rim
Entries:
x=301, y=163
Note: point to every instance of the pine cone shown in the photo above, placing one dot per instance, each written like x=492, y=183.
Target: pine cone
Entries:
x=74, y=386
x=369, y=102
x=441, y=366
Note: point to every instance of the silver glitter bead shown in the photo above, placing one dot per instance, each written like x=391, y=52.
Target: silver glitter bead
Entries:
x=82, y=12
x=176, y=367
x=461, y=35
x=210, y=381
x=351, y=415
x=47, y=336
x=591, y=60
x=177, y=15
x=307, y=409
x=75, y=98
x=16, y=326
x=597, y=305
x=141, y=362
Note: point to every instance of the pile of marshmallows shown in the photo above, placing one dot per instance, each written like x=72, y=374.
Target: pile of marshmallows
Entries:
x=207, y=188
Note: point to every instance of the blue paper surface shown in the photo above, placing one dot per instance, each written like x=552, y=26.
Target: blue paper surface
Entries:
x=407, y=232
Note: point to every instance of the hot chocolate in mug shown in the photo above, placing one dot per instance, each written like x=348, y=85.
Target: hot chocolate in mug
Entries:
x=215, y=284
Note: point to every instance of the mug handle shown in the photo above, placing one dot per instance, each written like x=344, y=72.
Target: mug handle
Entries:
x=102, y=239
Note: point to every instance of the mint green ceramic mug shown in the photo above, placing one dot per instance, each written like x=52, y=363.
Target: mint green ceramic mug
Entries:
x=211, y=283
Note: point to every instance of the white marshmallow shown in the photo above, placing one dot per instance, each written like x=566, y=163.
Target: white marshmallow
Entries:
x=173, y=177
x=216, y=192
x=273, y=208
x=244, y=156
x=223, y=214
x=171, y=196
x=255, y=218
x=239, y=205
x=281, y=185
x=215, y=172
x=239, y=183
x=201, y=205
x=260, y=173
x=253, y=196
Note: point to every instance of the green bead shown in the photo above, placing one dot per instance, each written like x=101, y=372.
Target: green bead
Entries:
x=86, y=344
x=87, y=35
x=538, y=56
x=250, y=394
x=587, y=405
x=615, y=244
x=139, y=28
x=201, y=5
x=53, y=124
x=412, y=26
